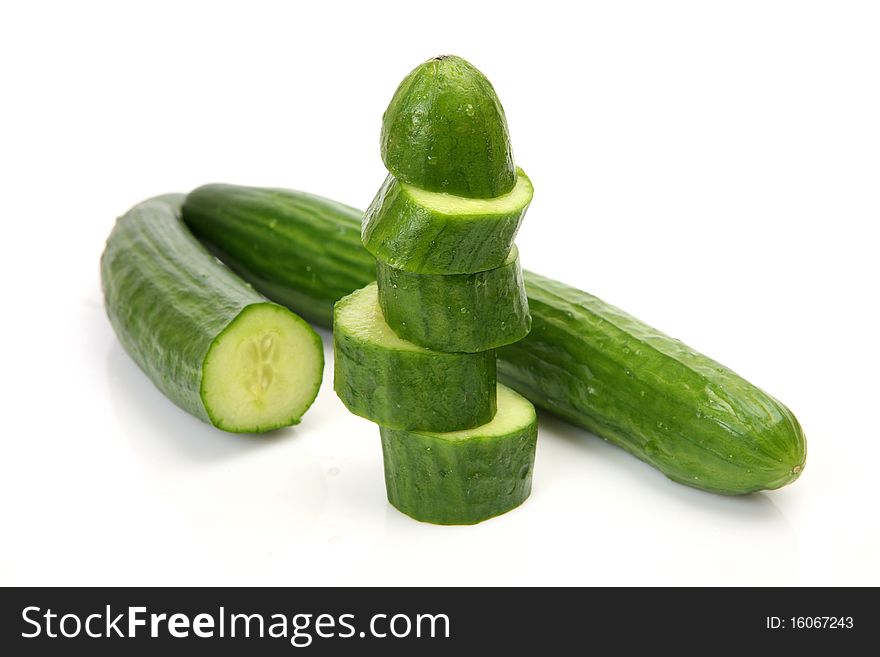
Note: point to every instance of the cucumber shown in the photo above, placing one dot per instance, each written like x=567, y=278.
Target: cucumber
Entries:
x=400, y=385
x=574, y=339
x=206, y=339
x=463, y=477
x=230, y=221
x=460, y=312
x=433, y=233
x=692, y=418
x=445, y=131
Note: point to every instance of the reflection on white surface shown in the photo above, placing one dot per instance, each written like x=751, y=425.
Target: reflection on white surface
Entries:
x=156, y=496
x=161, y=431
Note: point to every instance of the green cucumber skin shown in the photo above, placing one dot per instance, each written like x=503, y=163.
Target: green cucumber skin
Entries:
x=169, y=299
x=419, y=390
x=445, y=131
x=692, y=418
x=231, y=221
x=463, y=484
x=539, y=367
x=461, y=312
x=407, y=236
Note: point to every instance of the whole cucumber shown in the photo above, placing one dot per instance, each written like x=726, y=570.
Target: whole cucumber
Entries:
x=584, y=360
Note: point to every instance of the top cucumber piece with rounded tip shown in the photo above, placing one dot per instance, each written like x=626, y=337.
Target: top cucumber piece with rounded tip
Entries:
x=445, y=131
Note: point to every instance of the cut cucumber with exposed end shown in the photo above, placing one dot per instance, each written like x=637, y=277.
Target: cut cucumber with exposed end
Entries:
x=432, y=233
x=445, y=131
x=209, y=342
x=231, y=221
x=463, y=477
x=398, y=384
x=262, y=371
x=459, y=312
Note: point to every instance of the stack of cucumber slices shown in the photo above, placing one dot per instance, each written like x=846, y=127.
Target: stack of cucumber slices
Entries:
x=414, y=352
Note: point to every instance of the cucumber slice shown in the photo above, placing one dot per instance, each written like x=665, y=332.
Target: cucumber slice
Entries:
x=398, y=384
x=459, y=312
x=463, y=477
x=206, y=339
x=433, y=233
x=445, y=131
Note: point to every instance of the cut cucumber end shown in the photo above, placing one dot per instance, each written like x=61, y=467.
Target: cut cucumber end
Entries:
x=463, y=477
x=263, y=371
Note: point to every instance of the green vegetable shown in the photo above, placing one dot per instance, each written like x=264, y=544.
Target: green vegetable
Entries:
x=209, y=342
x=461, y=312
x=685, y=414
x=463, y=477
x=445, y=131
x=432, y=233
x=232, y=222
x=400, y=385
x=694, y=414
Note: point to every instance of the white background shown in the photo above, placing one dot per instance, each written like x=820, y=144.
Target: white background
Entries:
x=711, y=168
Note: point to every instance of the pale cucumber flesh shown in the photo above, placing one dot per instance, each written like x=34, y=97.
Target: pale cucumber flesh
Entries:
x=263, y=371
x=452, y=205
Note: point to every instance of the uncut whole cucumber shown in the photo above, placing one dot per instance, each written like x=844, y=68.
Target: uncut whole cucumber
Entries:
x=584, y=360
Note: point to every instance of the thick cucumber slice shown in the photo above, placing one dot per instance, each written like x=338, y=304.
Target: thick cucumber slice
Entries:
x=445, y=131
x=460, y=312
x=431, y=233
x=398, y=384
x=463, y=477
x=209, y=342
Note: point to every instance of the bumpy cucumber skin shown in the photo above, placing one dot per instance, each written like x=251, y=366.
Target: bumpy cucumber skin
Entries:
x=408, y=236
x=169, y=299
x=461, y=312
x=685, y=414
x=458, y=483
x=412, y=389
x=445, y=131
x=231, y=221
x=552, y=367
